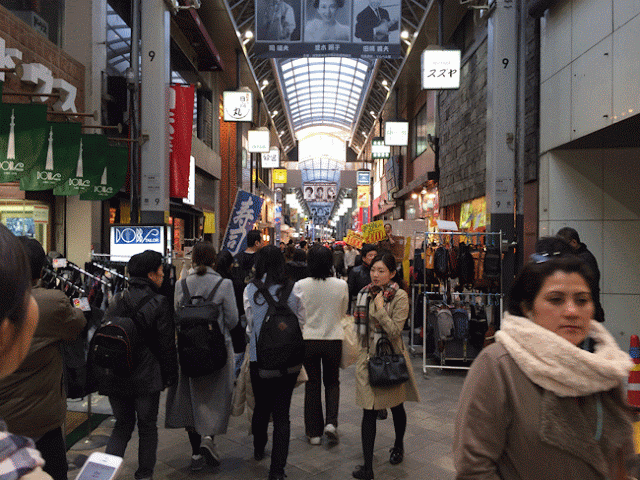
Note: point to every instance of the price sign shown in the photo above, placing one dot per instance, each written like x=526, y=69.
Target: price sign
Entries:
x=354, y=239
x=373, y=232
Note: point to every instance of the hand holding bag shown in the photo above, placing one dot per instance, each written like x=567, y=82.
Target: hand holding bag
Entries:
x=349, y=343
x=386, y=368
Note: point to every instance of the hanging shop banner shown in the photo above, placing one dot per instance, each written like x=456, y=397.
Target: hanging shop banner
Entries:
x=271, y=159
x=396, y=134
x=237, y=106
x=320, y=211
x=440, y=69
x=89, y=166
x=379, y=149
x=304, y=28
x=209, y=222
x=180, y=133
x=113, y=175
x=364, y=177
x=63, y=147
x=364, y=196
x=23, y=139
x=280, y=175
x=258, y=141
x=373, y=232
x=354, y=239
x=246, y=211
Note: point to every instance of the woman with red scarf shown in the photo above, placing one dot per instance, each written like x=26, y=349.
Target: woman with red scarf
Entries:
x=382, y=308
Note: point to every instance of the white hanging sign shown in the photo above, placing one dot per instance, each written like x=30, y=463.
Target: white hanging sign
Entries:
x=237, y=106
x=259, y=141
x=271, y=159
x=440, y=69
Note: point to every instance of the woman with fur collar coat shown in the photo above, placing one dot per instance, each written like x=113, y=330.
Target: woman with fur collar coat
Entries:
x=545, y=401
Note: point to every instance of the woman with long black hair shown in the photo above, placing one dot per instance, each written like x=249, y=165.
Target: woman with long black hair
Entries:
x=272, y=395
x=382, y=308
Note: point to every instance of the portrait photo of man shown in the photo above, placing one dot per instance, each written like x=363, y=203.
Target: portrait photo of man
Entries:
x=277, y=21
x=374, y=23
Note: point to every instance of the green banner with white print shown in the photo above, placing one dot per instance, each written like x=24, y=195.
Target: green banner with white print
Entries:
x=88, y=166
x=113, y=175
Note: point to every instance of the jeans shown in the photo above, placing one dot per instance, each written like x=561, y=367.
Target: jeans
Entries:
x=273, y=397
x=125, y=410
x=322, y=357
x=54, y=451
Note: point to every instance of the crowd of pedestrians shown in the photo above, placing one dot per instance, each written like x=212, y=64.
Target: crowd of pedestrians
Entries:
x=518, y=402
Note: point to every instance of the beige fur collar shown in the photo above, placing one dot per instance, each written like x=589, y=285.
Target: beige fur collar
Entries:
x=555, y=364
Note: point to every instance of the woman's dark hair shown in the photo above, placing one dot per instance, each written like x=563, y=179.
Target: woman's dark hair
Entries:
x=203, y=256
x=390, y=262
x=224, y=262
x=320, y=261
x=299, y=255
x=289, y=251
x=529, y=281
x=339, y=3
x=15, y=281
x=269, y=261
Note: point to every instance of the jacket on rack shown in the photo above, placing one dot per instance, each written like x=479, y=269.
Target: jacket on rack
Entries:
x=377, y=398
x=156, y=364
x=204, y=403
x=32, y=399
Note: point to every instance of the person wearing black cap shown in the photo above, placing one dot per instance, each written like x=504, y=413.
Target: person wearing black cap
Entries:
x=156, y=365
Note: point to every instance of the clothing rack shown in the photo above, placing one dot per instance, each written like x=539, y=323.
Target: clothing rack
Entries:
x=108, y=270
x=491, y=299
x=65, y=280
x=90, y=275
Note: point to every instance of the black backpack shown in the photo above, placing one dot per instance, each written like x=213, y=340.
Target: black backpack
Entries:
x=114, y=343
x=279, y=347
x=202, y=348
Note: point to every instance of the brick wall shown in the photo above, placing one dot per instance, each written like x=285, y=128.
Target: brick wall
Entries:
x=36, y=48
x=228, y=185
x=463, y=133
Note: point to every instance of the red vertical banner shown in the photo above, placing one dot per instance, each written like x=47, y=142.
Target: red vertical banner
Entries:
x=180, y=128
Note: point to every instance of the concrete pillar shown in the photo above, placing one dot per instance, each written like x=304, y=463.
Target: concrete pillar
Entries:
x=84, y=39
x=154, y=99
x=502, y=67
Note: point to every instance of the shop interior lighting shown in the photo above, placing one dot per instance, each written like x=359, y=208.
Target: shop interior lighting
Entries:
x=248, y=35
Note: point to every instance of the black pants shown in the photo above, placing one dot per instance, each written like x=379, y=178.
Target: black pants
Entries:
x=53, y=449
x=368, y=432
x=322, y=363
x=273, y=397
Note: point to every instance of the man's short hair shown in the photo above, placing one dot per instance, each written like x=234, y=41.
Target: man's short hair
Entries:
x=252, y=237
x=366, y=248
x=568, y=234
x=36, y=255
x=141, y=264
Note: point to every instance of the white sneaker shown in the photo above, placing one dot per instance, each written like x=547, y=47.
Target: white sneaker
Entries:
x=331, y=432
x=315, y=440
x=209, y=452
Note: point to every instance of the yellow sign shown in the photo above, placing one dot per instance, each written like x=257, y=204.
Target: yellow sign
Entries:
x=373, y=232
x=279, y=175
x=363, y=196
x=354, y=239
x=209, y=222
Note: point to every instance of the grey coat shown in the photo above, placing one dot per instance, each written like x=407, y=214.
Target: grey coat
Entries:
x=511, y=429
x=204, y=403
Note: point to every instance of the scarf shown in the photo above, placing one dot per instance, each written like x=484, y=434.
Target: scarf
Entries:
x=366, y=295
x=555, y=364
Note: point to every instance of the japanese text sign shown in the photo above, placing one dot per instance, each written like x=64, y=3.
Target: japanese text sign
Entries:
x=373, y=232
x=440, y=69
x=246, y=211
x=353, y=238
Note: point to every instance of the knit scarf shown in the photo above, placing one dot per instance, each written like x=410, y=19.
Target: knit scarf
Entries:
x=366, y=295
x=555, y=364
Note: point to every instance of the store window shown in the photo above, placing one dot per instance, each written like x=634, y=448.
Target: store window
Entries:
x=26, y=217
x=44, y=16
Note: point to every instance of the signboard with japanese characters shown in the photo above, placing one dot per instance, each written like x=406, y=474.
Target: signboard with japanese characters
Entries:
x=440, y=69
x=246, y=211
x=396, y=134
x=373, y=232
x=280, y=175
x=353, y=238
x=237, y=106
x=308, y=28
x=258, y=141
x=364, y=177
x=271, y=159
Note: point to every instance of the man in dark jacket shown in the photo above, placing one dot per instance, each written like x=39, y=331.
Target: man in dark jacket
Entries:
x=360, y=276
x=571, y=236
x=32, y=399
x=156, y=366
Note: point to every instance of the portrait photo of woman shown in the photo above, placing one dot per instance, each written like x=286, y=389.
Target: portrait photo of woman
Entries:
x=322, y=22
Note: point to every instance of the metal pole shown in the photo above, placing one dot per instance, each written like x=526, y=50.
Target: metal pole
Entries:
x=134, y=114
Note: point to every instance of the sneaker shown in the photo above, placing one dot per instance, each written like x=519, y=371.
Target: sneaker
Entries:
x=197, y=463
x=315, y=440
x=331, y=433
x=209, y=452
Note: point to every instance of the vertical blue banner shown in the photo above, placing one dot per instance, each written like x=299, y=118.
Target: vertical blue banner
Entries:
x=246, y=212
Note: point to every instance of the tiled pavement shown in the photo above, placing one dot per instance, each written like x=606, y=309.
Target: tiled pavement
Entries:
x=428, y=440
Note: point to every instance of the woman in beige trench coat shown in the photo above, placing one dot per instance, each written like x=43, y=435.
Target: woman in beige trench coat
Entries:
x=382, y=308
